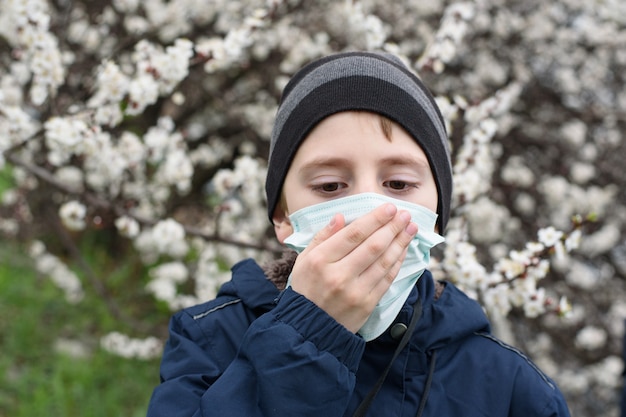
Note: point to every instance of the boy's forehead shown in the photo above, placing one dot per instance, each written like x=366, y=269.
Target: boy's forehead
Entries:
x=337, y=138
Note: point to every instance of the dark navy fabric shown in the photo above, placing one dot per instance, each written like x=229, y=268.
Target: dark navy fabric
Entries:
x=255, y=351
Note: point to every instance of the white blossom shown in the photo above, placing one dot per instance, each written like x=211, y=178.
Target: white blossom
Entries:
x=66, y=137
x=165, y=279
x=574, y=132
x=16, y=126
x=167, y=237
x=538, y=270
x=517, y=173
x=607, y=372
x=582, y=275
x=549, y=236
x=28, y=28
x=9, y=227
x=128, y=347
x=573, y=240
x=73, y=214
x=112, y=84
x=488, y=221
x=142, y=91
x=368, y=27
x=127, y=226
x=452, y=30
x=582, y=172
x=208, y=276
x=132, y=150
x=565, y=307
x=177, y=170
x=60, y=275
x=535, y=304
x=160, y=139
x=510, y=268
x=591, y=338
x=497, y=299
x=604, y=239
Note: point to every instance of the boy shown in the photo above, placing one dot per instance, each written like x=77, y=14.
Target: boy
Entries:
x=359, y=183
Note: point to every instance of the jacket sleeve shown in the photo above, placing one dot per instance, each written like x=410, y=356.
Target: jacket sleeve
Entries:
x=294, y=360
x=536, y=395
x=554, y=406
x=558, y=407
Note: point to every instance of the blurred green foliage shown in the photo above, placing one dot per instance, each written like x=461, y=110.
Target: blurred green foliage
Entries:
x=51, y=361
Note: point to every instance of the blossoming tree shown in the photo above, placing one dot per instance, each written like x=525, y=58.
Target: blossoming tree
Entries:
x=149, y=121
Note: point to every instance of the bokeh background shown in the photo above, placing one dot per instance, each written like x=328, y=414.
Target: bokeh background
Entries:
x=133, y=144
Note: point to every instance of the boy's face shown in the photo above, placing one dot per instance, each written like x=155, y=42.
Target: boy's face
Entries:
x=348, y=153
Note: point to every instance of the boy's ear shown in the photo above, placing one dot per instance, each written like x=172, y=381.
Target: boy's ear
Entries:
x=282, y=225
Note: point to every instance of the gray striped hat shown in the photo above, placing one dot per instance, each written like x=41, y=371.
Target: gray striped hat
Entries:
x=360, y=81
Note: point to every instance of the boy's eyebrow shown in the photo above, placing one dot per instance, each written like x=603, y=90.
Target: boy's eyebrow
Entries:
x=337, y=161
x=406, y=160
x=325, y=162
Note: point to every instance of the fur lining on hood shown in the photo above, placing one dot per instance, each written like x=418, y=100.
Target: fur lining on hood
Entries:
x=278, y=270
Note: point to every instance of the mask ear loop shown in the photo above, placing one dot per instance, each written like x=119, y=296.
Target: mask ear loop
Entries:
x=367, y=401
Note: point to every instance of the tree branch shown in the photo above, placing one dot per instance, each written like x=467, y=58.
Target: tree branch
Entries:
x=101, y=203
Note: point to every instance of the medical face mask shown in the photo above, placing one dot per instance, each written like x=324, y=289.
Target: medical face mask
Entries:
x=310, y=220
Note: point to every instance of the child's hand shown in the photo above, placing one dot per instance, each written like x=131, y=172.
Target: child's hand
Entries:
x=345, y=270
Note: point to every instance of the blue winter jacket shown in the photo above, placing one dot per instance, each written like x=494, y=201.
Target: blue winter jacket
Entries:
x=255, y=351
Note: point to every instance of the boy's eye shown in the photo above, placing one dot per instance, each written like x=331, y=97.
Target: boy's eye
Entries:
x=397, y=184
x=329, y=187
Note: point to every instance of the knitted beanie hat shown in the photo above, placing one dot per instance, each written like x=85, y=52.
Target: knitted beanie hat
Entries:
x=360, y=81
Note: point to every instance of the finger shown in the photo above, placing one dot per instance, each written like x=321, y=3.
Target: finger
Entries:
x=336, y=223
x=382, y=270
x=390, y=257
x=392, y=238
x=394, y=255
x=353, y=235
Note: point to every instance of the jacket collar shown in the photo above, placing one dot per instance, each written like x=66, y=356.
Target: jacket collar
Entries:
x=250, y=284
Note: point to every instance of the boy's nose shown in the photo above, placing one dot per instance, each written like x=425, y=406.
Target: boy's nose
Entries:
x=368, y=187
